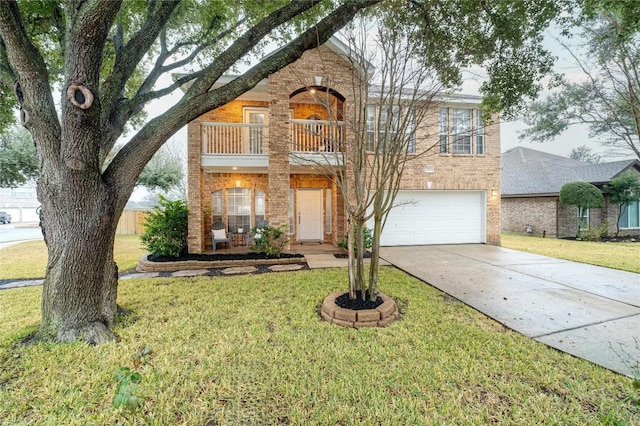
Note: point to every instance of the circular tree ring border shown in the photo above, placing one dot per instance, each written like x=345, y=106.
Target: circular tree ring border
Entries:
x=381, y=316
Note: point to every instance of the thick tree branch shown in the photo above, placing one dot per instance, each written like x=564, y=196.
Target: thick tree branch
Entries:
x=245, y=43
x=130, y=161
x=25, y=61
x=127, y=59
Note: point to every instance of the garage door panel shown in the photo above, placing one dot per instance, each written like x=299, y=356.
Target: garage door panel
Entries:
x=436, y=217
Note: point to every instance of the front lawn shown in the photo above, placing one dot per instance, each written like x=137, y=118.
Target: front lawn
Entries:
x=251, y=350
x=28, y=260
x=618, y=255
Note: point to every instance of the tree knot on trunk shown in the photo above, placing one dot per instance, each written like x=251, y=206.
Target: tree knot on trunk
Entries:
x=80, y=95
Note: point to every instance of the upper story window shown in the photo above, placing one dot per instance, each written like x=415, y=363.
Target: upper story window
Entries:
x=457, y=132
x=390, y=126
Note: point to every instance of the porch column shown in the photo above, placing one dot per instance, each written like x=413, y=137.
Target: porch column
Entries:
x=194, y=188
x=279, y=141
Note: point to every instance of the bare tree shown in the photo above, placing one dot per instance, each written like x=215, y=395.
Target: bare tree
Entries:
x=392, y=96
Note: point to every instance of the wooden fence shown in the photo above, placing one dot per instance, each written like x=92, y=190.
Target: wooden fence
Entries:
x=131, y=222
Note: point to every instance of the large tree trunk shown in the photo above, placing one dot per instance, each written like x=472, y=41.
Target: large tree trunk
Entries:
x=80, y=288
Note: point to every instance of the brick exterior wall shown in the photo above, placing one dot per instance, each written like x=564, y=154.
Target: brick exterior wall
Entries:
x=558, y=220
x=442, y=171
x=538, y=212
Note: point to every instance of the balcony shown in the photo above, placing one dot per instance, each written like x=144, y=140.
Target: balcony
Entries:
x=244, y=146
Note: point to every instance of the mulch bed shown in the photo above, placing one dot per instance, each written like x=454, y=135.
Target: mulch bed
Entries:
x=357, y=304
x=220, y=257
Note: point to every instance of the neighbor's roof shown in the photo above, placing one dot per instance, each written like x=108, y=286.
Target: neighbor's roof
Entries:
x=528, y=172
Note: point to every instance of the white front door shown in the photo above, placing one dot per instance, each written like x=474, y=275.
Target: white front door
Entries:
x=310, y=215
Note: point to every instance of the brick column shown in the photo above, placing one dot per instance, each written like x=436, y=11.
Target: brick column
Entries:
x=194, y=187
x=279, y=146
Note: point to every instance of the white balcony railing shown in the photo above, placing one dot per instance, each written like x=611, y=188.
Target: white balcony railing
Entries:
x=242, y=138
x=234, y=138
x=316, y=136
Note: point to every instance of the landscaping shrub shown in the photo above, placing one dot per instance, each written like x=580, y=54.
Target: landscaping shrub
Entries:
x=368, y=235
x=166, y=228
x=271, y=241
x=594, y=233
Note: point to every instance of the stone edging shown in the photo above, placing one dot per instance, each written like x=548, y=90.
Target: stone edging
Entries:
x=381, y=316
x=145, y=265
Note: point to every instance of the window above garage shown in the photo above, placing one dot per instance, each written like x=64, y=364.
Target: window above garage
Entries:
x=461, y=131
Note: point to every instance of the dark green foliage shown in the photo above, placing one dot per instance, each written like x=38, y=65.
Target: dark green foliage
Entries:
x=126, y=397
x=166, y=228
x=581, y=194
x=623, y=190
x=368, y=235
x=128, y=380
x=271, y=240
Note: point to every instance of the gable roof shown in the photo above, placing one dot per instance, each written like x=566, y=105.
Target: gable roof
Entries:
x=527, y=172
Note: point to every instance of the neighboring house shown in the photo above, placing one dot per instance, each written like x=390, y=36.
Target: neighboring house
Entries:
x=531, y=183
x=246, y=162
x=21, y=202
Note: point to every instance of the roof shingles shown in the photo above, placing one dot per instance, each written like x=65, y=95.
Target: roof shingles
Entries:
x=528, y=172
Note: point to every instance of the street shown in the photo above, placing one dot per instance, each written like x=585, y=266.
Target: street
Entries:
x=11, y=233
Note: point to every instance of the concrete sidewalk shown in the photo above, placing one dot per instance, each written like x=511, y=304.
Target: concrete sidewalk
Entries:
x=588, y=311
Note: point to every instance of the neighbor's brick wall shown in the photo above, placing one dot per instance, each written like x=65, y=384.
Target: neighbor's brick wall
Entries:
x=568, y=219
x=539, y=212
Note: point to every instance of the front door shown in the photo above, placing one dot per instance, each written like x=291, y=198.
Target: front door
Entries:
x=255, y=134
x=310, y=215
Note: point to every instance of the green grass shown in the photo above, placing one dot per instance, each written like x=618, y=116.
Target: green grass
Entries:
x=251, y=350
x=28, y=260
x=624, y=256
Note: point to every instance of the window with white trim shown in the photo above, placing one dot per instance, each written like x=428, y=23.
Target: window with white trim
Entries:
x=388, y=125
x=630, y=218
x=583, y=218
x=479, y=133
x=216, y=206
x=238, y=209
x=327, y=211
x=259, y=206
x=461, y=131
x=292, y=211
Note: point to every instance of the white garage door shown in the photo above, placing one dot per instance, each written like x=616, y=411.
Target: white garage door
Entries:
x=436, y=217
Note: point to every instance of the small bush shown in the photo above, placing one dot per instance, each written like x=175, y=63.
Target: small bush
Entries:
x=593, y=233
x=166, y=229
x=368, y=235
x=272, y=241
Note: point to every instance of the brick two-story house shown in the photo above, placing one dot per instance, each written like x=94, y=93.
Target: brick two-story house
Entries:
x=246, y=162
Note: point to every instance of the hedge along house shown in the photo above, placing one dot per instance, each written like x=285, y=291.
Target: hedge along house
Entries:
x=257, y=158
x=531, y=183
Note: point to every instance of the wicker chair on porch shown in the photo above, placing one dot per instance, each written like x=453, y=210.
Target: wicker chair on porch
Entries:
x=219, y=234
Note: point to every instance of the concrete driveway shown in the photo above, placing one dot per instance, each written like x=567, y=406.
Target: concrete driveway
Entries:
x=588, y=311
